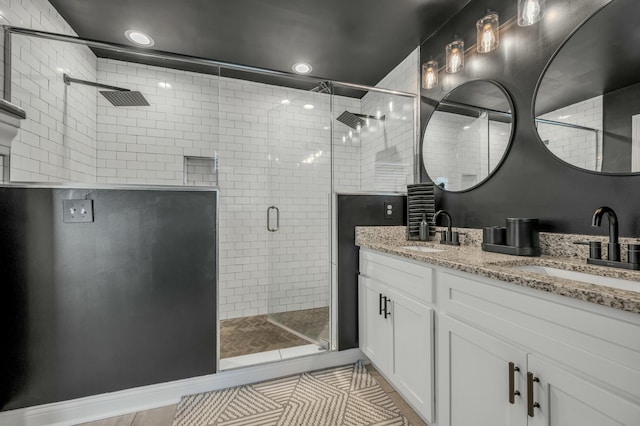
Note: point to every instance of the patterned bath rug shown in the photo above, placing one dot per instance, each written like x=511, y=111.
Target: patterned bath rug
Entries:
x=342, y=396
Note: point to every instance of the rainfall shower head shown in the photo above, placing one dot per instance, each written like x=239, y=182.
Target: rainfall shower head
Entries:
x=353, y=120
x=125, y=98
x=116, y=95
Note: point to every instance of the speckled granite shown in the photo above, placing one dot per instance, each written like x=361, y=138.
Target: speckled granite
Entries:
x=470, y=258
x=557, y=245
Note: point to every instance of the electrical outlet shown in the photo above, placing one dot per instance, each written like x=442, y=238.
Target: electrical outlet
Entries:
x=389, y=210
x=77, y=211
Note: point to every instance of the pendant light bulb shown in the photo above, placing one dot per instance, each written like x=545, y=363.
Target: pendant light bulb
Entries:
x=488, y=32
x=455, y=56
x=430, y=74
x=530, y=12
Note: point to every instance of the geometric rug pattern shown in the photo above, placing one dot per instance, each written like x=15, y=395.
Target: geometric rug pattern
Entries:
x=342, y=396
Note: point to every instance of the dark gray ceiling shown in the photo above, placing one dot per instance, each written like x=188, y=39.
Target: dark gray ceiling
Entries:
x=357, y=41
x=601, y=57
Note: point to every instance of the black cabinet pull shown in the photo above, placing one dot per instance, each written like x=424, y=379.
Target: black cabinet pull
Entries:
x=530, y=402
x=387, y=313
x=380, y=303
x=512, y=384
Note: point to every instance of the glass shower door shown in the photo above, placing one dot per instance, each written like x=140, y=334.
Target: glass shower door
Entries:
x=297, y=221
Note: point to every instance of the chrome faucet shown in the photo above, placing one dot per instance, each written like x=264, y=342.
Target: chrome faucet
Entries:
x=613, y=246
x=447, y=237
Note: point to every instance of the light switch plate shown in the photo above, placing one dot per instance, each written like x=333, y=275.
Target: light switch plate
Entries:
x=77, y=211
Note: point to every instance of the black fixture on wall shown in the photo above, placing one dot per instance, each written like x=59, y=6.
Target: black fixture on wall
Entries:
x=531, y=182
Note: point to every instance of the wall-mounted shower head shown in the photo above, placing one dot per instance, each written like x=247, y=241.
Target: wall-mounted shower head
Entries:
x=353, y=120
x=116, y=95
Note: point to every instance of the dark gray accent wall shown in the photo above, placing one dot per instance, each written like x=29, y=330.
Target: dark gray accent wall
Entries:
x=125, y=301
x=352, y=211
x=531, y=182
x=618, y=107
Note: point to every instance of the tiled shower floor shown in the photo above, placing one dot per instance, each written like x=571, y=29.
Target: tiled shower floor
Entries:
x=263, y=333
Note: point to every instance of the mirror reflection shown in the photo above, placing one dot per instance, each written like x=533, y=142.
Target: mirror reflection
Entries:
x=467, y=135
x=588, y=103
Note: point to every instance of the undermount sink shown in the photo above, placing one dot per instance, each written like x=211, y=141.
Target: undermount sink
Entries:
x=422, y=249
x=581, y=276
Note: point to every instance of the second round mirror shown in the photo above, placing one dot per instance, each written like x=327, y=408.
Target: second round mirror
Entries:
x=467, y=135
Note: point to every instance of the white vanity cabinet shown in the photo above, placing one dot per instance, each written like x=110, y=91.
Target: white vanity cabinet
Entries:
x=514, y=356
x=505, y=355
x=396, y=325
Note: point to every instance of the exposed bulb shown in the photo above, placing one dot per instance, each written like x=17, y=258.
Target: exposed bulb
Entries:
x=430, y=74
x=488, y=38
x=531, y=12
x=431, y=78
x=455, y=62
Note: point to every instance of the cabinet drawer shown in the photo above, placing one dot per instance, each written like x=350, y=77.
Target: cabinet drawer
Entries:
x=406, y=277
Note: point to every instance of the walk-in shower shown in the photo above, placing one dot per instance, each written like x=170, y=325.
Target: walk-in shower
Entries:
x=278, y=153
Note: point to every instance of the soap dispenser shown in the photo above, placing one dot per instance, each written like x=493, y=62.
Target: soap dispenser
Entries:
x=424, y=228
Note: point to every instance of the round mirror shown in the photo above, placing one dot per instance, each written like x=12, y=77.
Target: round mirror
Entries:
x=588, y=103
x=467, y=135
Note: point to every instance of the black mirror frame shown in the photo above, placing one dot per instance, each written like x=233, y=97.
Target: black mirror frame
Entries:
x=537, y=91
x=509, y=98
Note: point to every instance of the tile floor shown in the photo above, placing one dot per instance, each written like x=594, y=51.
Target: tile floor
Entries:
x=164, y=416
x=263, y=333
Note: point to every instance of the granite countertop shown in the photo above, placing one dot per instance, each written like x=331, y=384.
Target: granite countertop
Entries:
x=471, y=259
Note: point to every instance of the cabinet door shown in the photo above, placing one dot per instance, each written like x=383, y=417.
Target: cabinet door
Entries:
x=475, y=379
x=374, y=330
x=411, y=369
x=567, y=399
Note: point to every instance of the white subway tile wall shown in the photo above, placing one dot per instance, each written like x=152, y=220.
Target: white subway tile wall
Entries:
x=147, y=145
x=57, y=141
x=387, y=156
x=581, y=148
x=346, y=151
x=462, y=151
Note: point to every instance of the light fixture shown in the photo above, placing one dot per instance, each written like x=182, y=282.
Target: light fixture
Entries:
x=307, y=106
x=530, y=12
x=488, y=34
x=302, y=68
x=429, y=74
x=139, y=38
x=455, y=56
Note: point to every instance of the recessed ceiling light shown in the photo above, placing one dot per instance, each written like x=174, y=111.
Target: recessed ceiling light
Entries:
x=302, y=68
x=308, y=106
x=139, y=38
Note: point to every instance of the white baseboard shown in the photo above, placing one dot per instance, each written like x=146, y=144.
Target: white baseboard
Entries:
x=144, y=398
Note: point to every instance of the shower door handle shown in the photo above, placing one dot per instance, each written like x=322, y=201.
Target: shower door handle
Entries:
x=269, y=228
